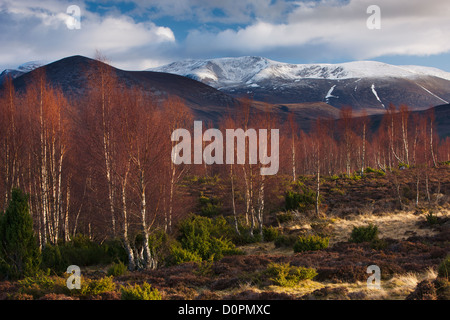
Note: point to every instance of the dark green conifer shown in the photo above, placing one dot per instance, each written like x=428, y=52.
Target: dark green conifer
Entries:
x=19, y=251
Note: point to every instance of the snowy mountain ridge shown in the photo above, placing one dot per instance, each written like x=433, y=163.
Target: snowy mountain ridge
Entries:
x=361, y=84
x=228, y=72
x=22, y=69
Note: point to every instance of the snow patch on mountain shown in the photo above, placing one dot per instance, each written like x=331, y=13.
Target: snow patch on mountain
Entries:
x=376, y=95
x=329, y=94
x=433, y=94
x=31, y=65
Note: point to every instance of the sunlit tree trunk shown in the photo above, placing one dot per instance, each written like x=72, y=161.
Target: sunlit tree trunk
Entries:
x=125, y=239
x=233, y=201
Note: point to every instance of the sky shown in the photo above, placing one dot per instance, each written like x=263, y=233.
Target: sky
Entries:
x=141, y=34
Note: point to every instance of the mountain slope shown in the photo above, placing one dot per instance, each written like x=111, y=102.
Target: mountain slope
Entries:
x=441, y=114
x=362, y=84
x=71, y=75
x=209, y=104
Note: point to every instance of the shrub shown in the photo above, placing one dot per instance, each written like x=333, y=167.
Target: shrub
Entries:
x=379, y=172
x=337, y=191
x=160, y=244
x=355, y=176
x=201, y=237
x=210, y=180
x=140, y=292
x=285, y=275
x=304, y=200
x=189, y=178
x=19, y=252
x=221, y=247
x=179, y=255
x=209, y=207
x=114, y=251
x=210, y=210
x=431, y=219
x=245, y=237
x=403, y=165
x=444, y=268
x=270, y=233
x=220, y=227
x=117, y=269
x=97, y=286
x=369, y=170
x=41, y=284
x=81, y=251
x=37, y=285
x=310, y=243
x=205, y=268
x=196, y=235
x=285, y=240
x=292, y=200
x=53, y=259
x=364, y=234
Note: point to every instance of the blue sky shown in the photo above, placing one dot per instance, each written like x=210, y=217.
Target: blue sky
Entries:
x=139, y=34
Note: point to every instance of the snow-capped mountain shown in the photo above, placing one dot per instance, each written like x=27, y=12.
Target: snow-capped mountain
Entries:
x=20, y=70
x=361, y=84
x=31, y=65
x=226, y=72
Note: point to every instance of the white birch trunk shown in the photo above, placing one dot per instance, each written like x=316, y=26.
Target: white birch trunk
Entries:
x=128, y=249
x=236, y=227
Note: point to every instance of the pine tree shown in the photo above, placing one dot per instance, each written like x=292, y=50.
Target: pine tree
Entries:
x=19, y=251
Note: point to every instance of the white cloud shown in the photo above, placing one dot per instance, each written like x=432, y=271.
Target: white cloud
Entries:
x=39, y=32
x=409, y=27
x=314, y=31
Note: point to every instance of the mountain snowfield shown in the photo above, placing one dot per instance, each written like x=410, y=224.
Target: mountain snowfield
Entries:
x=361, y=84
x=226, y=72
x=22, y=69
x=31, y=65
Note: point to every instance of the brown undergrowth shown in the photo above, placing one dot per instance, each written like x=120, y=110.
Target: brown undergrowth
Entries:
x=412, y=244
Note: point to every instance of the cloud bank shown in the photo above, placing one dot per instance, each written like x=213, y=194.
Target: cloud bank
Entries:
x=334, y=29
x=304, y=31
x=31, y=31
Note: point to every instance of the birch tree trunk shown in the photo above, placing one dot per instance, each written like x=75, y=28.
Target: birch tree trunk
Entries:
x=247, y=196
x=293, y=158
x=66, y=214
x=417, y=188
x=363, y=162
x=43, y=164
x=148, y=262
x=431, y=145
x=126, y=242
x=260, y=212
x=318, y=186
x=405, y=135
x=236, y=226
